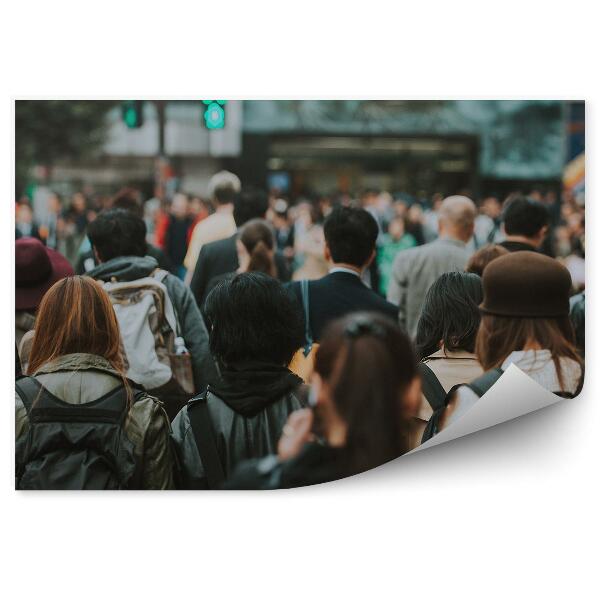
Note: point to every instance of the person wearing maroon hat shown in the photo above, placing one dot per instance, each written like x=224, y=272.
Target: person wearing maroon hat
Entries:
x=37, y=269
x=524, y=321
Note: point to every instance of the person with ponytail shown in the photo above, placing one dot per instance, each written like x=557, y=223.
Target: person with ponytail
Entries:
x=255, y=247
x=364, y=389
x=75, y=391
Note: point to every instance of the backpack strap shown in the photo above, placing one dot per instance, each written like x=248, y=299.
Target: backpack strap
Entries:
x=306, y=308
x=29, y=390
x=569, y=395
x=433, y=390
x=484, y=382
x=204, y=437
x=159, y=274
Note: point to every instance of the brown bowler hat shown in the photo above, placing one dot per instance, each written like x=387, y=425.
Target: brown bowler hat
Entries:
x=526, y=284
x=37, y=269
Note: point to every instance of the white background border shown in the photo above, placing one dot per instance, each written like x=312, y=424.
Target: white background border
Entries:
x=510, y=512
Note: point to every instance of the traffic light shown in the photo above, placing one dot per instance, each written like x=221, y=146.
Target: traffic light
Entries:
x=133, y=113
x=214, y=113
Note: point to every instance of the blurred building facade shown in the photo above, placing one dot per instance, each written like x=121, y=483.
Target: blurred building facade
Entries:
x=326, y=146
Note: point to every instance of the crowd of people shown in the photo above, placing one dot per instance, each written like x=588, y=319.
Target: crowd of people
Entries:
x=247, y=342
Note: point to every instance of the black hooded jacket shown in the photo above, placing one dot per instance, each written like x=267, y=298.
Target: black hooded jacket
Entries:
x=248, y=409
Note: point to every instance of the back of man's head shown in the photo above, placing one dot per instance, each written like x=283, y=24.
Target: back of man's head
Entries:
x=524, y=217
x=350, y=234
x=457, y=217
x=117, y=232
x=250, y=204
x=223, y=187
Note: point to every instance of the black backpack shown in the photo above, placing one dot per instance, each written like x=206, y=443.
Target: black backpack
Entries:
x=438, y=398
x=480, y=385
x=75, y=446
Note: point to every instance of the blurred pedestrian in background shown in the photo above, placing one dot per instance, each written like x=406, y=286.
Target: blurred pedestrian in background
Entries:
x=488, y=222
x=25, y=225
x=178, y=230
x=309, y=243
x=415, y=269
x=76, y=221
x=392, y=242
x=223, y=188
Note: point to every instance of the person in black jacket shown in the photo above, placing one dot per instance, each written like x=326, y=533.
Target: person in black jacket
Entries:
x=255, y=329
x=220, y=257
x=350, y=237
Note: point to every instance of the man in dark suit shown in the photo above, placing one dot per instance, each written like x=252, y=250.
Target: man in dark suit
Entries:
x=350, y=236
x=217, y=258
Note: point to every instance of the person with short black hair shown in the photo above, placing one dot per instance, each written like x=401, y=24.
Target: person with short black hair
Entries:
x=118, y=238
x=125, y=199
x=525, y=224
x=255, y=329
x=350, y=238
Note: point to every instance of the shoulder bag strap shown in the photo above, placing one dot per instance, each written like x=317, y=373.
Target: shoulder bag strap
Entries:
x=306, y=308
x=433, y=390
x=29, y=389
x=483, y=383
x=205, y=442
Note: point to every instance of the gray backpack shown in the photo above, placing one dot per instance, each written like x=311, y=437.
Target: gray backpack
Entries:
x=155, y=353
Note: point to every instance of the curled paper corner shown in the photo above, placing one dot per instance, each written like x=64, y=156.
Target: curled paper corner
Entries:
x=513, y=395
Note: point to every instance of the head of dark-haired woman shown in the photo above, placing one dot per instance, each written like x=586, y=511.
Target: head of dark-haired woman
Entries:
x=366, y=386
x=252, y=317
x=450, y=316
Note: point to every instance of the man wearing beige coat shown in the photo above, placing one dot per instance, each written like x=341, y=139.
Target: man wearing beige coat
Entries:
x=417, y=268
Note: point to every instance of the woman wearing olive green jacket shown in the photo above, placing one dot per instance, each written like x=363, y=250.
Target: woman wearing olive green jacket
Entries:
x=66, y=437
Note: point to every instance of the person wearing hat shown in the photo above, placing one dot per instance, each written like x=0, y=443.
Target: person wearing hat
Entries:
x=37, y=269
x=525, y=322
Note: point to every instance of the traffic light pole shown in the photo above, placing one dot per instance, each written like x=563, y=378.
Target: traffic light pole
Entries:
x=160, y=108
x=160, y=164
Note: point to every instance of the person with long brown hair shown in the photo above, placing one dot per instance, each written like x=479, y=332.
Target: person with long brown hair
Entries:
x=365, y=388
x=80, y=424
x=525, y=322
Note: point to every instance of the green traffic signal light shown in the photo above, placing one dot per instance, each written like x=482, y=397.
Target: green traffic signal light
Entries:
x=214, y=114
x=132, y=112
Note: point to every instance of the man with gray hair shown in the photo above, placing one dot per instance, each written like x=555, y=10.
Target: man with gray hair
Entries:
x=223, y=189
x=417, y=268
